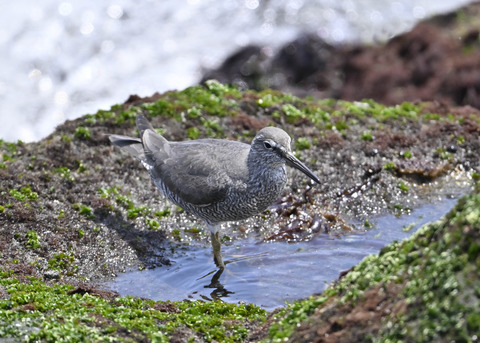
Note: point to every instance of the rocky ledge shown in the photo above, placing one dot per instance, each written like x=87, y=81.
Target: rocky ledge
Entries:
x=74, y=210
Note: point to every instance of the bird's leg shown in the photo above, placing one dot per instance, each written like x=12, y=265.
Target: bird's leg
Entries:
x=217, y=254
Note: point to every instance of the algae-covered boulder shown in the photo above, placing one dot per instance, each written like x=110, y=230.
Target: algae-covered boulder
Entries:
x=423, y=289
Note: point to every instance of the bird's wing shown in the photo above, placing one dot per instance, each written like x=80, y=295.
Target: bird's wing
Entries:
x=199, y=172
x=143, y=124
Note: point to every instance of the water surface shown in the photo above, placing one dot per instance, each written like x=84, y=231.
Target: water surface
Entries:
x=269, y=274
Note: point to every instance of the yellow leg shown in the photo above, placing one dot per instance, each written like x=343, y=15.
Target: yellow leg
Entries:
x=217, y=254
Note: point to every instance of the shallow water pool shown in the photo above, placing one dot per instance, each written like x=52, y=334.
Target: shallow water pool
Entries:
x=269, y=274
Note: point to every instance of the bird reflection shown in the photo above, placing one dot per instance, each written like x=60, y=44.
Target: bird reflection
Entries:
x=219, y=290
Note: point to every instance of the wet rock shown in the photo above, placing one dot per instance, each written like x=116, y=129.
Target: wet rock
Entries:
x=83, y=288
x=421, y=171
x=51, y=275
x=243, y=68
x=166, y=307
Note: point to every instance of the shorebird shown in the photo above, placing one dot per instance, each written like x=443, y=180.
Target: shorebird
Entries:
x=216, y=180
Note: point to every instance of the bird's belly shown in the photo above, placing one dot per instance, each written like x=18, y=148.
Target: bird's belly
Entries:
x=244, y=204
x=238, y=205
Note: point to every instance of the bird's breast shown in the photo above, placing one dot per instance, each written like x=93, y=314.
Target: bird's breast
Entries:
x=260, y=192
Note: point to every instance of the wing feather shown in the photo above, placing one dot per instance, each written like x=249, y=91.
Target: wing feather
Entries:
x=201, y=172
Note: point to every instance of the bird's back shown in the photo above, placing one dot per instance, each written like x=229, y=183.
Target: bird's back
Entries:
x=199, y=172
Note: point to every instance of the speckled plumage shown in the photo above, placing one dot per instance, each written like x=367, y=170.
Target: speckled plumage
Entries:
x=216, y=180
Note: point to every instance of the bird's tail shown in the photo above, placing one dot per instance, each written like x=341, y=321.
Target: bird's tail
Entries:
x=149, y=148
x=155, y=146
x=131, y=145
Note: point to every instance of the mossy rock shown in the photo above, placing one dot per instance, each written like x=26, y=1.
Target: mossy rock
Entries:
x=423, y=289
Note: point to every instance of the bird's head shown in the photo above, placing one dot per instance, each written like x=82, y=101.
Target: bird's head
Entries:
x=272, y=146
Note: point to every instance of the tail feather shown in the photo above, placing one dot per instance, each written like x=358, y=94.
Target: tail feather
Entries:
x=155, y=147
x=149, y=148
x=131, y=145
x=143, y=124
x=122, y=141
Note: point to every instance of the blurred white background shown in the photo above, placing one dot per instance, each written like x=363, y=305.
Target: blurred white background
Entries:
x=62, y=59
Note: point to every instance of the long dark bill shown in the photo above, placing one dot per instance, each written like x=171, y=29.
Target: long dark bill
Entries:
x=294, y=162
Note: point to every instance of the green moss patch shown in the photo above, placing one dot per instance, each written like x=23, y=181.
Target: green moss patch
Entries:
x=24, y=194
x=34, y=311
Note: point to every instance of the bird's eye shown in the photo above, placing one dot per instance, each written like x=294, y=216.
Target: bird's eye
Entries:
x=268, y=145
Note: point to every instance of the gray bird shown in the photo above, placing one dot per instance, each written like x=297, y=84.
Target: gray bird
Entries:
x=216, y=180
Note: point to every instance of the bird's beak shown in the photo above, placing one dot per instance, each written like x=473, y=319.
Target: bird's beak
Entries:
x=294, y=162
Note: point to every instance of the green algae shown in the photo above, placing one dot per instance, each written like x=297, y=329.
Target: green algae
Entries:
x=443, y=153
x=163, y=213
x=8, y=152
x=62, y=262
x=403, y=186
x=269, y=98
x=296, y=313
x=438, y=270
x=65, y=173
x=152, y=223
x=406, y=154
x=82, y=133
x=65, y=138
x=124, y=202
x=34, y=311
x=176, y=234
x=390, y=166
x=329, y=114
x=302, y=143
x=24, y=194
x=193, y=133
x=33, y=241
x=132, y=211
x=84, y=210
x=366, y=136
x=199, y=104
x=214, y=99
